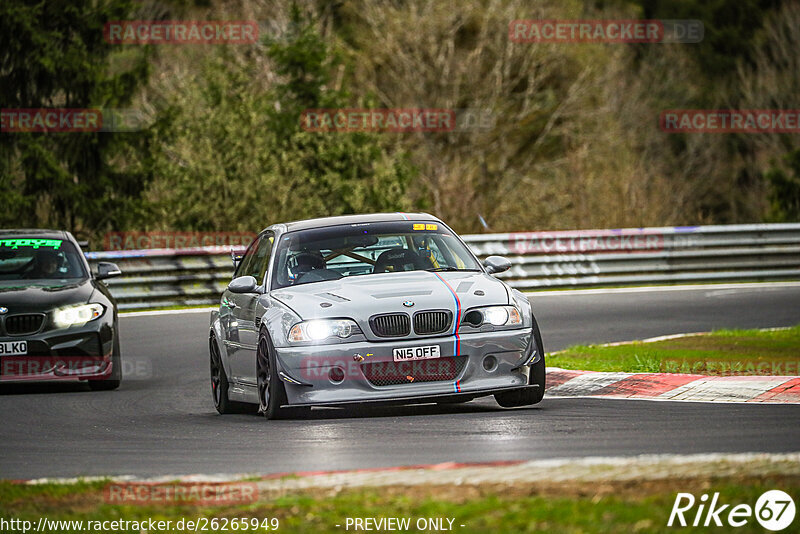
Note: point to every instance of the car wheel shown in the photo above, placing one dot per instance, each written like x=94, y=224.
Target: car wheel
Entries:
x=271, y=394
x=113, y=381
x=220, y=384
x=514, y=399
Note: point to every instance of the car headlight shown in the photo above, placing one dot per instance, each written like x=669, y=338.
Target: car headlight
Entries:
x=72, y=315
x=494, y=315
x=319, y=329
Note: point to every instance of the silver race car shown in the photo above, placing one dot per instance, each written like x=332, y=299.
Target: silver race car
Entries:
x=370, y=308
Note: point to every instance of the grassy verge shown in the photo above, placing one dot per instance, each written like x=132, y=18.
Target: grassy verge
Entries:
x=724, y=352
x=622, y=506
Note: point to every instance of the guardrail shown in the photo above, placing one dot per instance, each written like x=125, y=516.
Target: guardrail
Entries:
x=540, y=260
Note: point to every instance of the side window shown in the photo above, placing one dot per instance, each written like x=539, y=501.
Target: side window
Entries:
x=257, y=262
x=247, y=258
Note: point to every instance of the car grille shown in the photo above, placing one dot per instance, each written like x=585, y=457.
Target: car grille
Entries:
x=411, y=372
x=391, y=325
x=431, y=322
x=19, y=325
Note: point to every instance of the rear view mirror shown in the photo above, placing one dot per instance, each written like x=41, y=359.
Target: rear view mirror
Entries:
x=359, y=241
x=107, y=270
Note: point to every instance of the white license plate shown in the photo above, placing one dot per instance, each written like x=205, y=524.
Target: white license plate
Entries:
x=13, y=348
x=427, y=352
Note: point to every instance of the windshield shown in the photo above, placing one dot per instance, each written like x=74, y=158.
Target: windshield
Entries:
x=38, y=259
x=331, y=253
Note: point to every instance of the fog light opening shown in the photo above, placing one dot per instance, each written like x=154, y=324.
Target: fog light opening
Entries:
x=336, y=375
x=490, y=363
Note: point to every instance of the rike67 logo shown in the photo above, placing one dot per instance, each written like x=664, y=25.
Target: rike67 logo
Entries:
x=774, y=510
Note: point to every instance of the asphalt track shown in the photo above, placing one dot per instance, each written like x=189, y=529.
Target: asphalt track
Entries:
x=161, y=421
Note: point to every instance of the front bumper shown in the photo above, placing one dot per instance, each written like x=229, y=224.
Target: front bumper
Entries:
x=67, y=354
x=476, y=364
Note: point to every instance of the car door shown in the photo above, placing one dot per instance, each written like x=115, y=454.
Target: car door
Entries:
x=228, y=305
x=243, y=310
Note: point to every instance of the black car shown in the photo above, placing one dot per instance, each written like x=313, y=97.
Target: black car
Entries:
x=58, y=321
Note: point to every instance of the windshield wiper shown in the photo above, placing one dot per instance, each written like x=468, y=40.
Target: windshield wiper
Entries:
x=439, y=269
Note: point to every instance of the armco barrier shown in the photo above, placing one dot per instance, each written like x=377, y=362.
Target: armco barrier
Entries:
x=582, y=258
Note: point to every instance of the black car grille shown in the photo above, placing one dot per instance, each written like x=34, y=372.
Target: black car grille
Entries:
x=23, y=324
x=413, y=371
x=391, y=325
x=431, y=322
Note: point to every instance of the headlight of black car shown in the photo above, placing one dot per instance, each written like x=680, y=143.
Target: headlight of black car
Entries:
x=77, y=315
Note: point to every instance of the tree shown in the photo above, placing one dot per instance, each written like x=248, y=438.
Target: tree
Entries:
x=233, y=156
x=785, y=190
x=332, y=172
x=52, y=55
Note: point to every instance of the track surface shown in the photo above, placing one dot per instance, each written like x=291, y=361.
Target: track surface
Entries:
x=161, y=421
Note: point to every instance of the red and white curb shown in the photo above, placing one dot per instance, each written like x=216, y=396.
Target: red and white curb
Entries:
x=673, y=387
x=589, y=469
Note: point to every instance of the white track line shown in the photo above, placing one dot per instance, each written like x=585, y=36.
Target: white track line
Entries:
x=165, y=312
x=544, y=292
x=667, y=338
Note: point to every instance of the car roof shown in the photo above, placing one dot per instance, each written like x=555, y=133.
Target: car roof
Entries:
x=356, y=219
x=40, y=233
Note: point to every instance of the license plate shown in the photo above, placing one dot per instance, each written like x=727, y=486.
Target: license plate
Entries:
x=427, y=352
x=13, y=348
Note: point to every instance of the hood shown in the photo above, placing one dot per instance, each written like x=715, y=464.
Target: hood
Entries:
x=360, y=297
x=42, y=297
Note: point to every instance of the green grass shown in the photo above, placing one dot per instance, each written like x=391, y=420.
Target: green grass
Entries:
x=579, y=508
x=724, y=352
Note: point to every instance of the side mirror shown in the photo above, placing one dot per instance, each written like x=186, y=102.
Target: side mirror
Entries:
x=243, y=284
x=107, y=270
x=496, y=264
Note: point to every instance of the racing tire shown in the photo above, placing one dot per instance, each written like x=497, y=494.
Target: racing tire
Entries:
x=536, y=376
x=220, y=384
x=115, y=379
x=271, y=392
